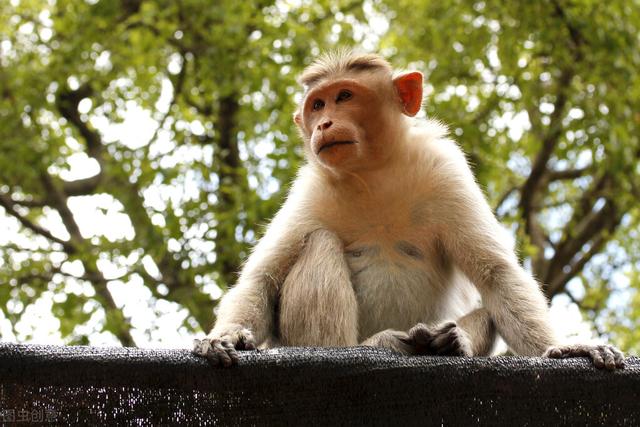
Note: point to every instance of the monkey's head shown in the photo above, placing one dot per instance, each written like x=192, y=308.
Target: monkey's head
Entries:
x=351, y=116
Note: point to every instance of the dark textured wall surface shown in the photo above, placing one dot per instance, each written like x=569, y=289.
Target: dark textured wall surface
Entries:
x=308, y=386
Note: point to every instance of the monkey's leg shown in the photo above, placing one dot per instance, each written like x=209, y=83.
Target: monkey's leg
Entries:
x=472, y=335
x=318, y=305
x=481, y=331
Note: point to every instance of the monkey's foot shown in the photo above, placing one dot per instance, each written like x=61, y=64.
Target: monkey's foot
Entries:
x=393, y=340
x=603, y=356
x=221, y=348
x=447, y=339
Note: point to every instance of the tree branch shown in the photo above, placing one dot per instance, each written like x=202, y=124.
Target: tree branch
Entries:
x=67, y=103
x=114, y=314
x=530, y=190
x=30, y=203
x=81, y=187
x=557, y=175
x=504, y=198
x=59, y=202
x=575, y=36
x=549, y=142
x=178, y=84
x=557, y=284
x=594, y=229
x=9, y=205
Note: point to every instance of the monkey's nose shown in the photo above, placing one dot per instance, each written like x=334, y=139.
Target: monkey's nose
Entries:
x=325, y=125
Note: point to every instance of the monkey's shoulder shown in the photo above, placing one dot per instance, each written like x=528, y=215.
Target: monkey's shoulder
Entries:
x=436, y=157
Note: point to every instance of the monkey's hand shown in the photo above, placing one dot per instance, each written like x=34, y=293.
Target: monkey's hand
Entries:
x=219, y=348
x=603, y=356
x=446, y=339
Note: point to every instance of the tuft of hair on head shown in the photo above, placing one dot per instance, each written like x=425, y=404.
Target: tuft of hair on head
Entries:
x=341, y=61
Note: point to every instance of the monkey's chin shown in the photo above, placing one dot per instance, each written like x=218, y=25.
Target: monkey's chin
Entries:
x=337, y=154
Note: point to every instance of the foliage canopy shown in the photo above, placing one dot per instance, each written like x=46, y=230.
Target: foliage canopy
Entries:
x=172, y=120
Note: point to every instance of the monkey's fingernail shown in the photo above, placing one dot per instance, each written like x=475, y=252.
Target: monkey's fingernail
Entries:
x=212, y=358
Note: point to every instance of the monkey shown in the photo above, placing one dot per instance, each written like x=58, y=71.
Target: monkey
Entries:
x=385, y=238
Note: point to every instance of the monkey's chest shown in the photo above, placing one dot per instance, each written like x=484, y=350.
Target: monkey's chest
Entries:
x=396, y=285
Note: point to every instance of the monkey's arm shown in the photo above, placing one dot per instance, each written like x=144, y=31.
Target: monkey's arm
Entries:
x=246, y=313
x=478, y=245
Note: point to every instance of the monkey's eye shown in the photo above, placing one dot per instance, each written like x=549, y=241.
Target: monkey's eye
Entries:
x=318, y=104
x=344, y=95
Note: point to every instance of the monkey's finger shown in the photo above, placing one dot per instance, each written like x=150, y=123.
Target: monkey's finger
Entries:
x=245, y=341
x=609, y=358
x=443, y=337
x=447, y=344
x=406, y=345
x=212, y=357
x=459, y=346
x=201, y=347
x=446, y=328
x=249, y=341
x=441, y=341
x=417, y=327
x=596, y=357
x=197, y=347
x=618, y=356
x=553, y=353
x=231, y=351
x=578, y=350
x=421, y=335
x=223, y=355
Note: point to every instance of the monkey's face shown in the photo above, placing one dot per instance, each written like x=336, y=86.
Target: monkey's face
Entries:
x=348, y=123
x=352, y=123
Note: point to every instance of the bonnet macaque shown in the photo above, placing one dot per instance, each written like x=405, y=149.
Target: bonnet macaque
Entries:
x=385, y=238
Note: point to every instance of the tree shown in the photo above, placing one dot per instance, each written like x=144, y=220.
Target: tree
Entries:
x=214, y=84
x=544, y=96
x=71, y=70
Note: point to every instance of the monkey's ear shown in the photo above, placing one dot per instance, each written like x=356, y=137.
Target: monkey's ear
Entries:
x=297, y=118
x=409, y=87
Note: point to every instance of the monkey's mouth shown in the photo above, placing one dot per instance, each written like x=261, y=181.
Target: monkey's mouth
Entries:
x=333, y=144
